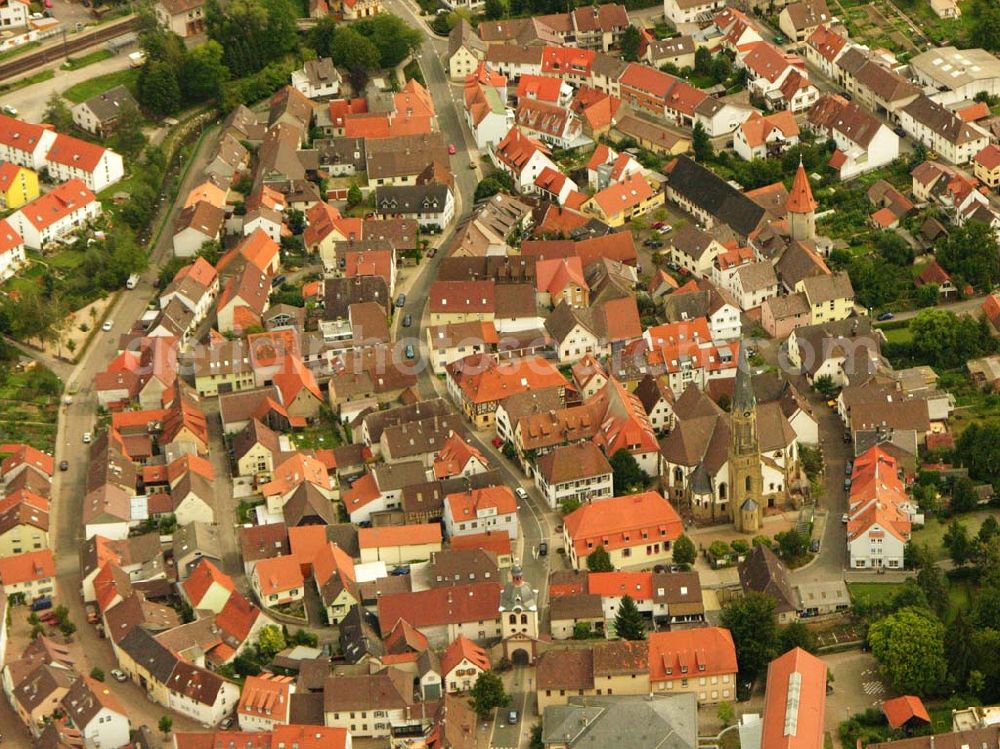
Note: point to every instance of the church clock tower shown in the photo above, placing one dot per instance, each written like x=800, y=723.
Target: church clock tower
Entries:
x=746, y=482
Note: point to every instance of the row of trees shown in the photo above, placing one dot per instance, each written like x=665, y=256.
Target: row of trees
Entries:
x=383, y=41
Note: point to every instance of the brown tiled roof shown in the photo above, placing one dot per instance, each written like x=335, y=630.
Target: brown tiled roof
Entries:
x=566, y=669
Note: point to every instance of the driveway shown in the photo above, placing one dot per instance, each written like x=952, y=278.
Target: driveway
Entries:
x=857, y=686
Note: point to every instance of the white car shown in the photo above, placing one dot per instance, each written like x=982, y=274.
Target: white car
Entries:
x=9, y=110
x=118, y=675
x=87, y=438
x=108, y=324
x=844, y=518
x=520, y=493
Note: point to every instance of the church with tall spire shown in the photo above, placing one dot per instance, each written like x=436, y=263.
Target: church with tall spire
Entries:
x=745, y=474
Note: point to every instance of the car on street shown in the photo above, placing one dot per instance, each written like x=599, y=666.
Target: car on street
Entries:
x=848, y=467
x=666, y=229
x=226, y=723
x=847, y=485
x=814, y=545
x=513, y=717
x=118, y=675
x=410, y=353
x=278, y=280
x=831, y=403
x=63, y=465
x=520, y=493
x=673, y=266
x=108, y=325
x=496, y=442
x=885, y=316
x=653, y=244
x=407, y=320
x=451, y=149
x=47, y=3
x=87, y=438
x=432, y=252
x=658, y=225
x=844, y=518
x=401, y=300
x=9, y=110
x=898, y=130
x=543, y=549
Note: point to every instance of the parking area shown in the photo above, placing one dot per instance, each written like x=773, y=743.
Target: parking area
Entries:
x=857, y=686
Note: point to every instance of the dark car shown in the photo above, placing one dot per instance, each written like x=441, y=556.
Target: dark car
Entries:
x=432, y=252
x=278, y=280
x=63, y=465
x=653, y=244
x=814, y=546
x=407, y=320
x=898, y=130
x=543, y=549
x=885, y=316
x=410, y=353
x=401, y=300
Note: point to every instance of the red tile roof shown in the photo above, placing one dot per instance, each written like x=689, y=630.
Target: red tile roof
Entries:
x=278, y=575
x=75, y=153
x=28, y=567
x=201, y=579
x=462, y=648
x=496, y=541
x=483, y=380
x=794, y=702
x=437, y=606
x=622, y=197
x=900, y=710
x=621, y=522
x=399, y=535
x=989, y=157
x=9, y=238
x=465, y=505
x=708, y=651
x=800, y=197
x=20, y=454
x=637, y=585
x=59, y=202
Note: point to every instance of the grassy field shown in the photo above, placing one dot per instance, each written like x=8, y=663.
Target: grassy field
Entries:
x=875, y=592
x=86, y=89
x=898, y=335
x=932, y=533
x=45, y=75
x=75, y=63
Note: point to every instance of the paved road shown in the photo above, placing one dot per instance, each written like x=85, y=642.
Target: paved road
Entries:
x=30, y=101
x=965, y=306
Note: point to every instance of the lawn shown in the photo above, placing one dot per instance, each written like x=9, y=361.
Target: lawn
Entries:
x=30, y=80
x=932, y=533
x=874, y=592
x=75, y=63
x=92, y=87
x=898, y=335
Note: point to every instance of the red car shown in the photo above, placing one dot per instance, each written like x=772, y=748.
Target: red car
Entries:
x=451, y=149
x=497, y=442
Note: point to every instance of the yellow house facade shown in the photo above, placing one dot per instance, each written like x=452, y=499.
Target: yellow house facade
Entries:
x=18, y=185
x=21, y=538
x=830, y=297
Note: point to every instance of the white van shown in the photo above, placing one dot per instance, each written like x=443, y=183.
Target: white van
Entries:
x=133, y=281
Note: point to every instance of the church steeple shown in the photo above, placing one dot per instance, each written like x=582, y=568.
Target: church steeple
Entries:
x=743, y=396
x=801, y=207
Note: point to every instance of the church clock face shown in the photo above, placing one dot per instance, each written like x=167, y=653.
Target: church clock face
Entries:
x=746, y=414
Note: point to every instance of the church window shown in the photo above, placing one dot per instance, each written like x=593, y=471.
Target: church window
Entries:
x=746, y=483
x=722, y=490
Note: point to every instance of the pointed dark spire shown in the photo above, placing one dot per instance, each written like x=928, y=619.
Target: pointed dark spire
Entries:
x=743, y=397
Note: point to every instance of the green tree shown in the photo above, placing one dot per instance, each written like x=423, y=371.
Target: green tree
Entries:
x=944, y=339
x=166, y=724
x=956, y=541
x=701, y=143
x=535, y=741
x=488, y=694
x=271, y=641
x=128, y=138
x=754, y=626
x=927, y=295
x=204, y=72
x=581, y=631
x=350, y=49
x=978, y=449
x=354, y=196
x=599, y=560
x=627, y=475
x=725, y=712
x=631, y=42
x=570, y=504
x=909, y=645
x=797, y=635
x=97, y=674
x=628, y=620
x=932, y=583
x=30, y=316
x=494, y=9
x=825, y=386
x=971, y=251
x=58, y=113
x=985, y=31
x=958, y=646
x=874, y=284
x=393, y=39
x=963, y=495
x=792, y=545
x=320, y=37
x=158, y=89
x=245, y=666
x=684, y=551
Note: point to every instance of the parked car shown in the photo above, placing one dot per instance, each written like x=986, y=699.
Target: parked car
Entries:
x=658, y=224
x=410, y=353
x=844, y=518
x=653, y=244
x=451, y=149
x=407, y=320
x=814, y=545
x=497, y=442
x=432, y=252
x=666, y=229
x=226, y=723
x=401, y=300
x=87, y=438
x=885, y=316
x=403, y=569
x=278, y=280
x=848, y=467
x=40, y=604
x=512, y=717
x=9, y=110
x=847, y=485
x=118, y=675
x=543, y=549
x=520, y=493
x=63, y=465
x=108, y=325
